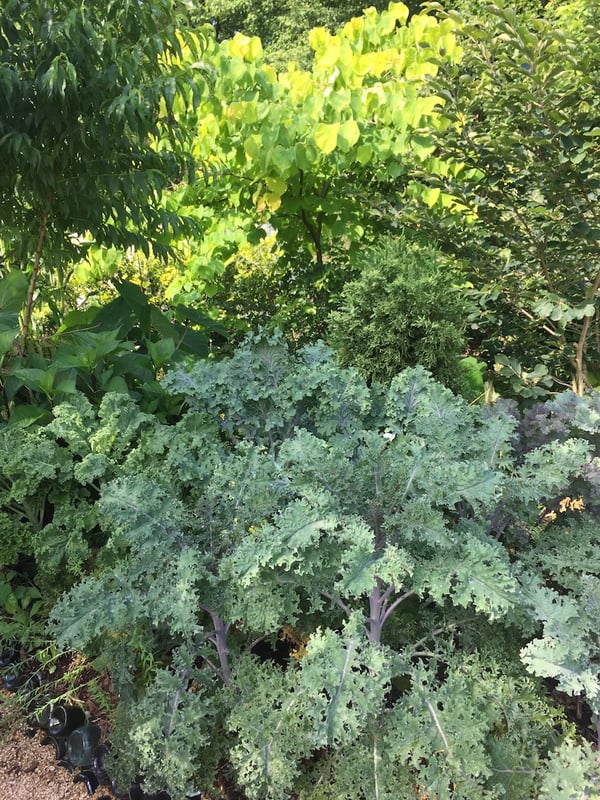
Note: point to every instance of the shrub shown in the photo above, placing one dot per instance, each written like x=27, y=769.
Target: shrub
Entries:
x=402, y=311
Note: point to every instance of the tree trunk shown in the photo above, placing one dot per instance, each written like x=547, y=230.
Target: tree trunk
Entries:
x=33, y=281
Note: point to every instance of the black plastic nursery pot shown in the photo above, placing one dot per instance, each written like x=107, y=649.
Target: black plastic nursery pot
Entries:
x=77, y=742
x=82, y=744
x=8, y=656
x=12, y=677
x=65, y=719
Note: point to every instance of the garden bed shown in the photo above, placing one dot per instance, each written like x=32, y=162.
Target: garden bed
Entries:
x=28, y=771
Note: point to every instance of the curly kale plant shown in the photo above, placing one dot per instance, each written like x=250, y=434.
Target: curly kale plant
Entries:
x=389, y=540
x=50, y=482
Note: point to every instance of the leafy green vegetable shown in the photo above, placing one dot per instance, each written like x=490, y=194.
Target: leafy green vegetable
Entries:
x=393, y=534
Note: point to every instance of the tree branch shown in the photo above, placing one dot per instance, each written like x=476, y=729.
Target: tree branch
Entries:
x=581, y=382
x=337, y=601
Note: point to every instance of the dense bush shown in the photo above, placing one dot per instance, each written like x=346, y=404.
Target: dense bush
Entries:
x=401, y=311
x=50, y=481
x=389, y=541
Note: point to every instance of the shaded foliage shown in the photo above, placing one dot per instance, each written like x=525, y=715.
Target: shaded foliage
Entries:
x=86, y=94
x=520, y=205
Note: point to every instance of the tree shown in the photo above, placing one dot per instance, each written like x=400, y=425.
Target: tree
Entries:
x=304, y=152
x=87, y=139
x=523, y=195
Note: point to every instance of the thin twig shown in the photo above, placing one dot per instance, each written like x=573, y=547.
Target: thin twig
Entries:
x=337, y=601
x=175, y=704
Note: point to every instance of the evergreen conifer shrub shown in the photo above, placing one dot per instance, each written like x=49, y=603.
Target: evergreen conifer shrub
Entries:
x=401, y=311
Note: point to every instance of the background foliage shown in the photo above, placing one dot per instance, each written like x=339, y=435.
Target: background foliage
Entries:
x=87, y=93
x=281, y=27
x=299, y=579
x=525, y=130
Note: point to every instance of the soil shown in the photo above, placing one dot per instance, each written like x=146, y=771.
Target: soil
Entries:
x=29, y=771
